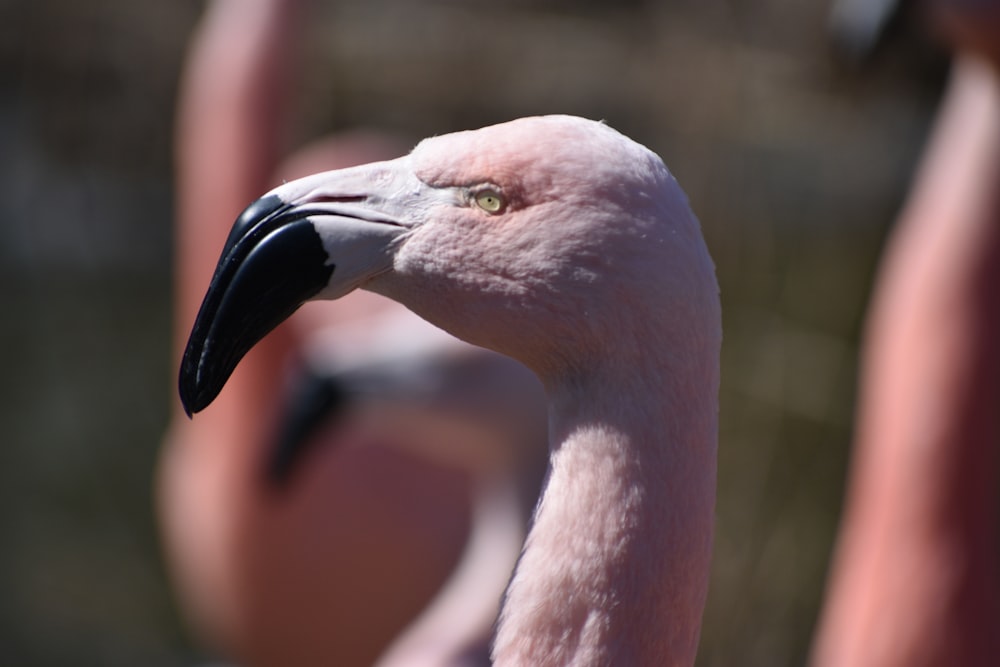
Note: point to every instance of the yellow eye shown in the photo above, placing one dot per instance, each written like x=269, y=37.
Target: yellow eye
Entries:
x=489, y=200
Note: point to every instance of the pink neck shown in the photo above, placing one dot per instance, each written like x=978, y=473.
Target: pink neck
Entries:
x=615, y=569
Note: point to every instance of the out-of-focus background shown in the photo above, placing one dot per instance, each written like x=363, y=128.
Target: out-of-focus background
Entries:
x=795, y=159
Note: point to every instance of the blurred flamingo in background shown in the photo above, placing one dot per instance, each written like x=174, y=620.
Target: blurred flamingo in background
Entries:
x=915, y=577
x=317, y=535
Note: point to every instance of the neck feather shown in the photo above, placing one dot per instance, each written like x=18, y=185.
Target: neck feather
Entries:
x=615, y=568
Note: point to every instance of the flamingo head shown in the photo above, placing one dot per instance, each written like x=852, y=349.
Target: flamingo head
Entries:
x=534, y=238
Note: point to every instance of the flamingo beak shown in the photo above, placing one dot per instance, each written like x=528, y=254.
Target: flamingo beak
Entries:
x=318, y=237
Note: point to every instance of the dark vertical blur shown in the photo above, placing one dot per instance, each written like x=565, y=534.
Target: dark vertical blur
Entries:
x=86, y=97
x=794, y=162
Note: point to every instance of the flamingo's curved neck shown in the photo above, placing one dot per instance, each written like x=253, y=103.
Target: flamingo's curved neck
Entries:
x=615, y=569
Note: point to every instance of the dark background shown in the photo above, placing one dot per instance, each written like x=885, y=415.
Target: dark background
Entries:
x=795, y=160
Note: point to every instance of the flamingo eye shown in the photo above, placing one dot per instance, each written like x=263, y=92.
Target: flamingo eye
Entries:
x=489, y=200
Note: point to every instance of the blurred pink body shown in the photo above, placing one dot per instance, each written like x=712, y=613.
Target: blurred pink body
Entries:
x=915, y=579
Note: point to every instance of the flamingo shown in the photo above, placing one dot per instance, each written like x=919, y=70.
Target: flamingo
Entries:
x=561, y=243
x=915, y=580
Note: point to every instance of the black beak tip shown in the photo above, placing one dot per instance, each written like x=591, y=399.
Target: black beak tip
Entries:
x=205, y=370
x=193, y=396
x=196, y=396
x=266, y=272
x=188, y=402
